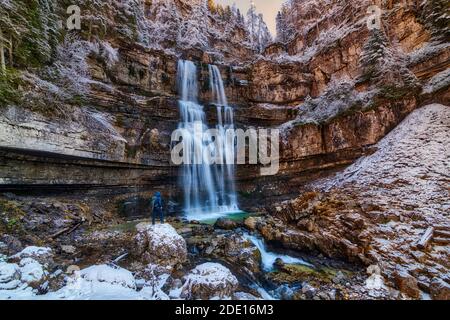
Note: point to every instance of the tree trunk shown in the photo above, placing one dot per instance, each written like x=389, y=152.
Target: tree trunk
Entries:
x=2, y=53
x=11, y=52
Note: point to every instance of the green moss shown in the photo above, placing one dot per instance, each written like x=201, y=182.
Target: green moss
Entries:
x=246, y=194
x=291, y=273
x=9, y=87
x=120, y=120
x=78, y=100
x=131, y=151
x=11, y=216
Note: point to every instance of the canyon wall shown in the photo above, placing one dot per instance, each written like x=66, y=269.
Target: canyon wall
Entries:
x=117, y=135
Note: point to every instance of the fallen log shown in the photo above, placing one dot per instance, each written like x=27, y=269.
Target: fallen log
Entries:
x=67, y=230
x=427, y=236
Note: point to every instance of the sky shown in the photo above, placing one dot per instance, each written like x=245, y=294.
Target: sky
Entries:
x=269, y=8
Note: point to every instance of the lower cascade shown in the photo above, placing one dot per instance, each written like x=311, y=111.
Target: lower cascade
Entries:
x=209, y=189
x=269, y=258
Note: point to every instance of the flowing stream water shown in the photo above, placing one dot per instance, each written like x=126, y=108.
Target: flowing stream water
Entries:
x=209, y=189
x=268, y=258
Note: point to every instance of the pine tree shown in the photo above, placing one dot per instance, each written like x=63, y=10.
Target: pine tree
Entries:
x=281, y=37
x=385, y=64
x=212, y=6
x=436, y=16
x=374, y=51
x=285, y=30
x=30, y=29
x=259, y=35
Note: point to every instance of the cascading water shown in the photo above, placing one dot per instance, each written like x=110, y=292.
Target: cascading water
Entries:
x=268, y=258
x=208, y=188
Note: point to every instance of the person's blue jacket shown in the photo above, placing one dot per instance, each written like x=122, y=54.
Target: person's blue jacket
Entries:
x=157, y=202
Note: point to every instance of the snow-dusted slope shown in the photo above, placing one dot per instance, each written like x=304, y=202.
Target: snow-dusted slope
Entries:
x=411, y=166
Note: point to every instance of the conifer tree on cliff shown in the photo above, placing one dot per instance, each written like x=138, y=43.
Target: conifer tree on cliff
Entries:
x=436, y=15
x=374, y=51
x=384, y=64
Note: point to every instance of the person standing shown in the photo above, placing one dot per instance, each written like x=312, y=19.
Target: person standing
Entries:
x=157, y=208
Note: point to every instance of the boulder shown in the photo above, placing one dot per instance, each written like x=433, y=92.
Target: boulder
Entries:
x=160, y=244
x=9, y=272
x=39, y=254
x=226, y=224
x=407, y=284
x=439, y=289
x=9, y=276
x=32, y=272
x=234, y=249
x=309, y=291
x=109, y=275
x=251, y=223
x=208, y=281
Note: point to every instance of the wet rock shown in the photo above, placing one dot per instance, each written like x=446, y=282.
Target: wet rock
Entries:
x=251, y=223
x=202, y=230
x=68, y=249
x=72, y=269
x=11, y=244
x=439, y=289
x=279, y=263
x=207, y=281
x=407, y=284
x=160, y=244
x=309, y=291
x=226, y=224
x=237, y=251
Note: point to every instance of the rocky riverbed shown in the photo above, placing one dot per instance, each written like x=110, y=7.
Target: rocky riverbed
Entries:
x=178, y=260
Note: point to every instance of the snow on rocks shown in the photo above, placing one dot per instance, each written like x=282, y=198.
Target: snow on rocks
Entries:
x=32, y=272
x=40, y=254
x=8, y=272
x=375, y=281
x=108, y=274
x=28, y=272
x=160, y=244
x=208, y=281
x=99, y=282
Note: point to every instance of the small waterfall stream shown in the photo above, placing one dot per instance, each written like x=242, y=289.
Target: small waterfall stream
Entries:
x=268, y=258
x=209, y=189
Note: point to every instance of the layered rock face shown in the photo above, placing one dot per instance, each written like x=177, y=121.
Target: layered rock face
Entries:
x=333, y=113
x=104, y=126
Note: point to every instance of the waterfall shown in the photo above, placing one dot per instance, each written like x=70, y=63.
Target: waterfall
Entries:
x=209, y=189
